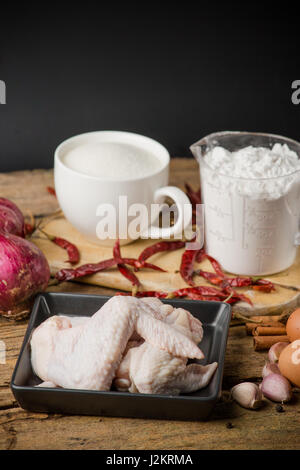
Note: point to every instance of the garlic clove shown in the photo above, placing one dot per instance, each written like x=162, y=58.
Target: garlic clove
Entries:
x=275, y=351
x=270, y=368
x=276, y=388
x=247, y=394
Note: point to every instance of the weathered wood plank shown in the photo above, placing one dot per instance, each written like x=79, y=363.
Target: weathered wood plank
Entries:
x=251, y=430
x=12, y=335
x=28, y=190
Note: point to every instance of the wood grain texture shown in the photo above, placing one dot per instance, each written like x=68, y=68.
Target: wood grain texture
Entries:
x=28, y=190
x=262, y=429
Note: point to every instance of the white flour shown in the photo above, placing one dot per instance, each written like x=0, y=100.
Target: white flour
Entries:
x=257, y=168
x=252, y=207
x=111, y=160
x=254, y=162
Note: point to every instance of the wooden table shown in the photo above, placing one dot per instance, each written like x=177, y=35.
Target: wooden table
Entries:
x=261, y=429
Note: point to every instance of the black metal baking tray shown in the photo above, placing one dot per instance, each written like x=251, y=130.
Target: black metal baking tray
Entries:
x=215, y=317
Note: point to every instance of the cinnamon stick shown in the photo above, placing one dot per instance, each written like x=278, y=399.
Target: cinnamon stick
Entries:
x=262, y=343
x=250, y=327
x=269, y=330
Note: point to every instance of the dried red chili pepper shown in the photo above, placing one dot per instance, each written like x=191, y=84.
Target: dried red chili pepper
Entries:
x=132, y=261
x=193, y=293
x=232, y=300
x=214, y=299
x=117, y=252
x=29, y=224
x=137, y=264
x=201, y=255
x=198, y=290
x=193, y=296
x=207, y=291
x=178, y=293
x=159, y=247
x=28, y=229
x=187, y=266
x=121, y=266
x=228, y=289
x=255, y=283
x=218, y=281
x=84, y=270
x=263, y=285
x=211, y=277
x=71, y=249
x=239, y=281
x=159, y=295
x=264, y=288
x=149, y=293
x=92, y=268
x=128, y=274
x=51, y=190
x=194, y=196
x=243, y=298
x=215, y=264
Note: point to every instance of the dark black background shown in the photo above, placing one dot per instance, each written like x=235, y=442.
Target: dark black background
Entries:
x=174, y=72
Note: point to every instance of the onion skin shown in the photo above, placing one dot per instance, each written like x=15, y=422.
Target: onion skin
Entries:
x=275, y=351
x=277, y=388
x=24, y=270
x=11, y=218
x=270, y=368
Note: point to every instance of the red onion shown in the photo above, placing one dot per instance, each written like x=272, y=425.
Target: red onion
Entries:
x=270, y=368
x=276, y=388
x=276, y=350
x=24, y=270
x=11, y=218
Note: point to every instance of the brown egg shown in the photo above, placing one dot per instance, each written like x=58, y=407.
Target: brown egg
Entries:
x=293, y=325
x=289, y=362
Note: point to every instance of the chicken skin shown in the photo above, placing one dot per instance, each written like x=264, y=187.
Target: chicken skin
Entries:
x=88, y=354
x=146, y=368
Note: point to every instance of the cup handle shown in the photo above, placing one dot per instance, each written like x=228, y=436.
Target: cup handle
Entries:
x=184, y=213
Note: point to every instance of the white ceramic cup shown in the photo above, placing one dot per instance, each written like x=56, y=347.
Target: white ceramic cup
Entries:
x=80, y=195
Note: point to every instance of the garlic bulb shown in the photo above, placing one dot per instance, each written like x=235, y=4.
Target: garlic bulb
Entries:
x=247, y=394
x=275, y=351
x=276, y=388
x=270, y=368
